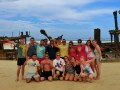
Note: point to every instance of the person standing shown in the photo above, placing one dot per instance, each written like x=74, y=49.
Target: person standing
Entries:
x=80, y=49
x=58, y=40
x=51, y=50
x=63, y=49
x=89, y=49
x=98, y=57
x=46, y=42
x=71, y=50
x=40, y=50
x=31, y=48
x=21, y=47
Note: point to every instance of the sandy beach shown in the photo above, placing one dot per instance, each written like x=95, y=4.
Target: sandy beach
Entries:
x=109, y=80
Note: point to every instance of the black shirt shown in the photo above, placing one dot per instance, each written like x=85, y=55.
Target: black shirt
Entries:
x=51, y=51
x=77, y=69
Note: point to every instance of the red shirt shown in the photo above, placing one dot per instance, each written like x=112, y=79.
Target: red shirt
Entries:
x=72, y=53
x=80, y=49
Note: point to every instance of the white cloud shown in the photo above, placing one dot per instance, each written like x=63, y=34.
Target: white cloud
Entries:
x=62, y=10
x=7, y=27
x=50, y=14
x=8, y=0
x=16, y=24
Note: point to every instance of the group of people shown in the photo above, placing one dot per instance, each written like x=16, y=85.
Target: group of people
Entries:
x=58, y=60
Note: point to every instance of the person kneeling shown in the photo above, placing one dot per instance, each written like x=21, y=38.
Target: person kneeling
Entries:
x=33, y=67
x=46, y=67
x=58, y=67
x=86, y=71
x=77, y=69
x=69, y=70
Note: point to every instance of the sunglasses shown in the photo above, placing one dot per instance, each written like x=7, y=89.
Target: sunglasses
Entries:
x=57, y=55
x=46, y=56
x=65, y=58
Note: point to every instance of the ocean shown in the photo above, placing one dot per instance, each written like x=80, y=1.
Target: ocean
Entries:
x=75, y=41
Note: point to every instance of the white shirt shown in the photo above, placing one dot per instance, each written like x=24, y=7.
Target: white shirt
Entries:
x=59, y=64
x=32, y=66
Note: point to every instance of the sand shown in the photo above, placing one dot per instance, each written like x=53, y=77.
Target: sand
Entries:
x=110, y=80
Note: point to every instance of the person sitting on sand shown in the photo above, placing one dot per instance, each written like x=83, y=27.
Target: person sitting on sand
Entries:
x=33, y=68
x=86, y=71
x=69, y=70
x=58, y=67
x=46, y=68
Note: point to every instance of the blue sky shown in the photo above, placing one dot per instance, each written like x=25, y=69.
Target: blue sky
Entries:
x=72, y=18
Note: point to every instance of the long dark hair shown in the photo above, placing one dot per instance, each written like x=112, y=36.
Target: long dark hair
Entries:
x=91, y=46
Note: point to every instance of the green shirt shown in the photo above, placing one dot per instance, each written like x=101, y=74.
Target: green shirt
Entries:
x=21, y=50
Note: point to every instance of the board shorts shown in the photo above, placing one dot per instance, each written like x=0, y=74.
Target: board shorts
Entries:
x=46, y=74
x=39, y=59
x=32, y=75
x=21, y=61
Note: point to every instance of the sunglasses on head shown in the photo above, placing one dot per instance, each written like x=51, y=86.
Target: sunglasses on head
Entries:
x=63, y=41
x=70, y=43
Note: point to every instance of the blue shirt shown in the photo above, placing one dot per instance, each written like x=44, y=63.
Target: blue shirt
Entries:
x=31, y=50
x=40, y=50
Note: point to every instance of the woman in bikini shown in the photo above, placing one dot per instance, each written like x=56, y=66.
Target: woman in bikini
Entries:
x=89, y=49
x=98, y=57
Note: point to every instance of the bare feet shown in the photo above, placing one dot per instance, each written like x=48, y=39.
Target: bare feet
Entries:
x=80, y=80
x=94, y=78
x=23, y=78
x=90, y=80
x=85, y=80
x=97, y=78
x=17, y=79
